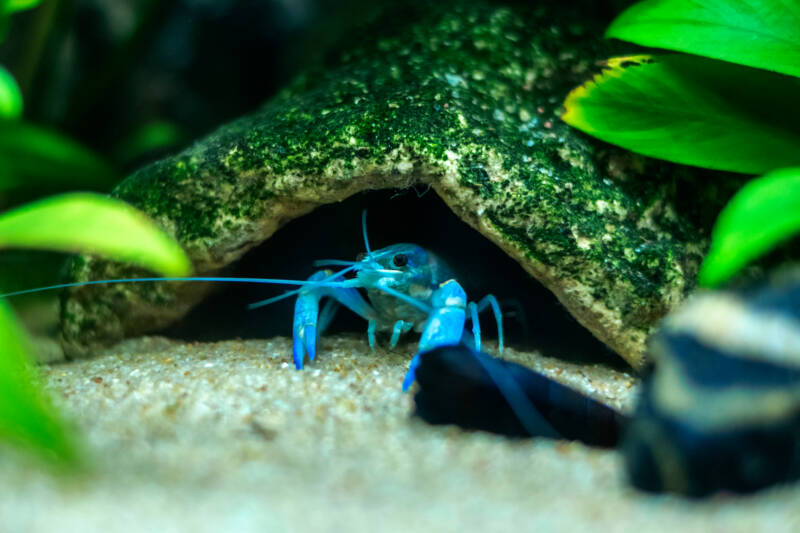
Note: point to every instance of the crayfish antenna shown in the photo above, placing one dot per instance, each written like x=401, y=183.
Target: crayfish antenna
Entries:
x=334, y=262
x=526, y=412
x=364, y=232
x=260, y=281
x=289, y=294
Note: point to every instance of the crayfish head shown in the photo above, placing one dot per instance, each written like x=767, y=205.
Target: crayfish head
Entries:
x=398, y=266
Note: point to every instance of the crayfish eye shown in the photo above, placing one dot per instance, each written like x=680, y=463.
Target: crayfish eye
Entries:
x=400, y=260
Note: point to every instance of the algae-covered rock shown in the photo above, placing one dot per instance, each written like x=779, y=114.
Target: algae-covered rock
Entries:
x=462, y=97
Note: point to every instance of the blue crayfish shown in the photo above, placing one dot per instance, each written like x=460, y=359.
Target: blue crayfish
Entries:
x=407, y=287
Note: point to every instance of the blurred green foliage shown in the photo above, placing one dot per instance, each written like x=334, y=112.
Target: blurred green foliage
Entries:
x=27, y=416
x=756, y=33
x=692, y=110
x=764, y=212
x=38, y=160
x=80, y=222
x=19, y=5
x=10, y=93
x=35, y=159
x=730, y=105
x=91, y=223
x=10, y=96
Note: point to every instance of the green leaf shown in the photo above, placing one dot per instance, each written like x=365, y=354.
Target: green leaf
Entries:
x=27, y=417
x=10, y=96
x=12, y=6
x=692, y=110
x=764, y=213
x=757, y=33
x=91, y=223
x=31, y=156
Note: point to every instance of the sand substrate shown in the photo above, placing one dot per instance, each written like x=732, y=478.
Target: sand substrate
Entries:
x=230, y=437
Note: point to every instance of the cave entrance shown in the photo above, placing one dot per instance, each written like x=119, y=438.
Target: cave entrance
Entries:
x=533, y=318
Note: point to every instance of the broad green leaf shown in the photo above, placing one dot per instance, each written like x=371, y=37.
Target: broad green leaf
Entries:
x=27, y=417
x=10, y=96
x=764, y=213
x=91, y=223
x=692, y=110
x=31, y=156
x=757, y=33
x=12, y=6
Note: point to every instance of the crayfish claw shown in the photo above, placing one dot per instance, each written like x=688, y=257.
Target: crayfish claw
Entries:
x=298, y=352
x=306, y=313
x=309, y=322
x=310, y=335
x=305, y=342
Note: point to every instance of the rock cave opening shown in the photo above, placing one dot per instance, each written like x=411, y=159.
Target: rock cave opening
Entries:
x=533, y=318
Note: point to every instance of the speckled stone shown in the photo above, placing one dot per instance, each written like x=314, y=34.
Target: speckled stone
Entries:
x=230, y=437
x=463, y=97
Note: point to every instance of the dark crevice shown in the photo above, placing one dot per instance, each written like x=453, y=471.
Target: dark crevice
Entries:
x=534, y=319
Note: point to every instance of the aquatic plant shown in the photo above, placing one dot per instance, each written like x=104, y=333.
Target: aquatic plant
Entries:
x=36, y=157
x=33, y=157
x=728, y=102
x=79, y=222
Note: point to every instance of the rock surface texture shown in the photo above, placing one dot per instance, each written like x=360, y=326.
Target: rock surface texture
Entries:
x=463, y=98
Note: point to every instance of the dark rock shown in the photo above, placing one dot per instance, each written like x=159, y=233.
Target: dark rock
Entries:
x=476, y=391
x=721, y=409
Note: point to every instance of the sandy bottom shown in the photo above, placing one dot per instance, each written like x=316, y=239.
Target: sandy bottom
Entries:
x=230, y=437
